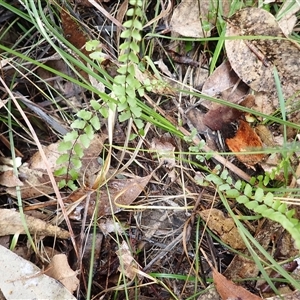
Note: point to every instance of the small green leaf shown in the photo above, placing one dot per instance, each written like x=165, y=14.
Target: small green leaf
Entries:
x=282, y=208
x=232, y=193
x=238, y=185
x=84, y=114
x=104, y=112
x=214, y=178
x=85, y=141
x=130, y=12
x=89, y=131
x=224, y=187
x=130, y=91
x=62, y=184
x=138, y=12
x=252, y=180
x=122, y=106
x=125, y=45
x=248, y=190
x=76, y=162
x=290, y=213
x=95, y=105
x=251, y=205
x=64, y=146
x=136, y=35
x=120, y=79
x=133, y=57
x=124, y=116
x=242, y=199
x=259, y=194
x=261, y=209
x=61, y=171
x=92, y=45
x=78, y=150
x=71, y=185
x=268, y=199
x=266, y=180
x=224, y=174
x=137, y=24
x=137, y=111
x=276, y=204
x=125, y=34
x=128, y=24
x=74, y=174
x=63, y=159
x=141, y=91
x=95, y=122
x=71, y=136
x=269, y=213
x=98, y=55
x=132, y=136
x=141, y=132
x=139, y=123
x=119, y=90
x=122, y=70
x=123, y=58
x=228, y=179
x=134, y=47
x=78, y=124
x=131, y=69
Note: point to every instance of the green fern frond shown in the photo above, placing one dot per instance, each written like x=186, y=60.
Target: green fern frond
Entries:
x=260, y=202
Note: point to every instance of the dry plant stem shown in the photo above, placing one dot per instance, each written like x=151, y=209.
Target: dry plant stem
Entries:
x=42, y=153
x=107, y=15
x=163, y=13
x=4, y=140
x=164, y=252
x=205, y=148
x=186, y=237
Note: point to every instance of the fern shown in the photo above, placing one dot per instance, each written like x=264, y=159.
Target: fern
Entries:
x=126, y=86
x=124, y=90
x=259, y=201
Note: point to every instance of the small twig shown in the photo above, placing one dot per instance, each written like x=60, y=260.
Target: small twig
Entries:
x=106, y=14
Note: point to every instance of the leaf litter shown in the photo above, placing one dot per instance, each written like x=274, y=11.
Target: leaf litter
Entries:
x=153, y=179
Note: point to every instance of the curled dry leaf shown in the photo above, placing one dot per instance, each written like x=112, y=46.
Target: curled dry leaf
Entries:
x=224, y=227
x=11, y=223
x=254, y=59
x=246, y=140
x=128, y=265
x=112, y=196
x=60, y=270
x=165, y=150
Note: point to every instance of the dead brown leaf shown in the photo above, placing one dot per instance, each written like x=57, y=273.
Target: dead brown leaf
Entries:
x=224, y=83
x=128, y=265
x=114, y=196
x=254, y=60
x=21, y=279
x=245, y=140
x=60, y=270
x=229, y=290
x=189, y=22
x=165, y=150
x=224, y=227
x=10, y=223
x=35, y=180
